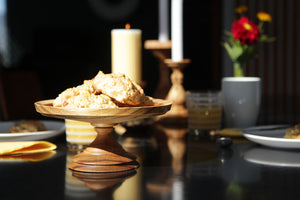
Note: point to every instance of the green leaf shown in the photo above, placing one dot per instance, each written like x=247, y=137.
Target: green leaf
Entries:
x=237, y=51
x=228, y=49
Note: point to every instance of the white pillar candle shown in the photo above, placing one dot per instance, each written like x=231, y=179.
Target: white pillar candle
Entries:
x=126, y=56
x=176, y=30
x=163, y=16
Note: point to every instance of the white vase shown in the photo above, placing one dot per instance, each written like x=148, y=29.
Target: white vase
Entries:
x=242, y=100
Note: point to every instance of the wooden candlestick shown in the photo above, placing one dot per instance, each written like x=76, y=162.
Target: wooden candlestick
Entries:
x=162, y=51
x=178, y=112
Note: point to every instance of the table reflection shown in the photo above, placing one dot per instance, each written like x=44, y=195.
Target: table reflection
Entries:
x=74, y=188
x=170, y=182
x=40, y=177
x=83, y=185
x=103, y=184
x=273, y=157
x=176, y=164
x=161, y=152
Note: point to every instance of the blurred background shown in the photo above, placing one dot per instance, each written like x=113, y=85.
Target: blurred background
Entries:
x=66, y=42
x=69, y=41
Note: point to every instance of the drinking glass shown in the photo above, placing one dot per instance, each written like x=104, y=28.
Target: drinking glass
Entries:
x=204, y=110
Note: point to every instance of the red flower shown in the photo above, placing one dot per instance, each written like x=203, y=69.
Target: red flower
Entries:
x=246, y=31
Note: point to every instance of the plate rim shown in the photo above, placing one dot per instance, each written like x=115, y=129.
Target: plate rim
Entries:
x=271, y=138
x=4, y=135
x=265, y=140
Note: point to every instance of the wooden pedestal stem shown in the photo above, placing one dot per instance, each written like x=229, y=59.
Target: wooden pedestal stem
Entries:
x=162, y=51
x=104, y=154
x=178, y=112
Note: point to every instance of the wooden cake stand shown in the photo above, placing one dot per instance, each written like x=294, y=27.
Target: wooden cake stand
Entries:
x=104, y=154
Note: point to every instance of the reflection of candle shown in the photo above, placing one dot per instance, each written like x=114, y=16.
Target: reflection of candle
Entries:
x=163, y=20
x=176, y=23
x=126, y=52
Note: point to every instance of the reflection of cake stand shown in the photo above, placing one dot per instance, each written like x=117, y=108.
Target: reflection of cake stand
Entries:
x=104, y=154
x=104, y=184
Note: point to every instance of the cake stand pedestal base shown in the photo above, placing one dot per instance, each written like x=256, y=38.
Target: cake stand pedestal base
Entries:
x=104, y=154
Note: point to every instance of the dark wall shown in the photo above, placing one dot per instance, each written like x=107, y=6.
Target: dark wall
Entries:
x=67, y=41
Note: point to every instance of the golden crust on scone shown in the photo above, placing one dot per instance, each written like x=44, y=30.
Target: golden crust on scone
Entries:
x=83, y=96
x=120, y=88
x=293, y=133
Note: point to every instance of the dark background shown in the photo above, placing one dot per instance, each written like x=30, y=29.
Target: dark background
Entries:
x=68, y=41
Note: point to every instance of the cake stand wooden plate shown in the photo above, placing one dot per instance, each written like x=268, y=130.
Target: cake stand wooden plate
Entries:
x=104, y=154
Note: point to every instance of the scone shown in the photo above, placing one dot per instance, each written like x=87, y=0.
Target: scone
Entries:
x=83, y=96
x=27, y=126
x=104, y=91
x=121, y=89
x=293, y=133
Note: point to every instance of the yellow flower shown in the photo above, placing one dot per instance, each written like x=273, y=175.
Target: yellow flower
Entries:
x=241, y=9
x=263, y=16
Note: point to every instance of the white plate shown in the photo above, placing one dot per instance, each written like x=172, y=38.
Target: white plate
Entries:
x=54, y=128
x=273, y=157
x=271, y=136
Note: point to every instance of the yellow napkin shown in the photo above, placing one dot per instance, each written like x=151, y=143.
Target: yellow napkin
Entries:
x=33, y=157
x=26, y=147
x=233, y=132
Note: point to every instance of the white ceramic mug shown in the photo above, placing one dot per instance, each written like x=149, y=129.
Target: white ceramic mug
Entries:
x=242, y=99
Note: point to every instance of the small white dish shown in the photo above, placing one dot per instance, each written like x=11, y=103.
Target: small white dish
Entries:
x=54, y=128
x=271, y=136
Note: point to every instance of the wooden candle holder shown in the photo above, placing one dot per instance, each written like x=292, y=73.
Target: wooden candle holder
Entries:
x=178, y=112
x=162, y=51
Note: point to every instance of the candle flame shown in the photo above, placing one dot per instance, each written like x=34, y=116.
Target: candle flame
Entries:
x=127, y=26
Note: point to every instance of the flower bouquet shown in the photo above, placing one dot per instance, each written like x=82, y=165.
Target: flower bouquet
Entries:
x=241, y=42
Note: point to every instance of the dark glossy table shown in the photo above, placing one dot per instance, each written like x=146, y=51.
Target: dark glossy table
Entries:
x=175, y=163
